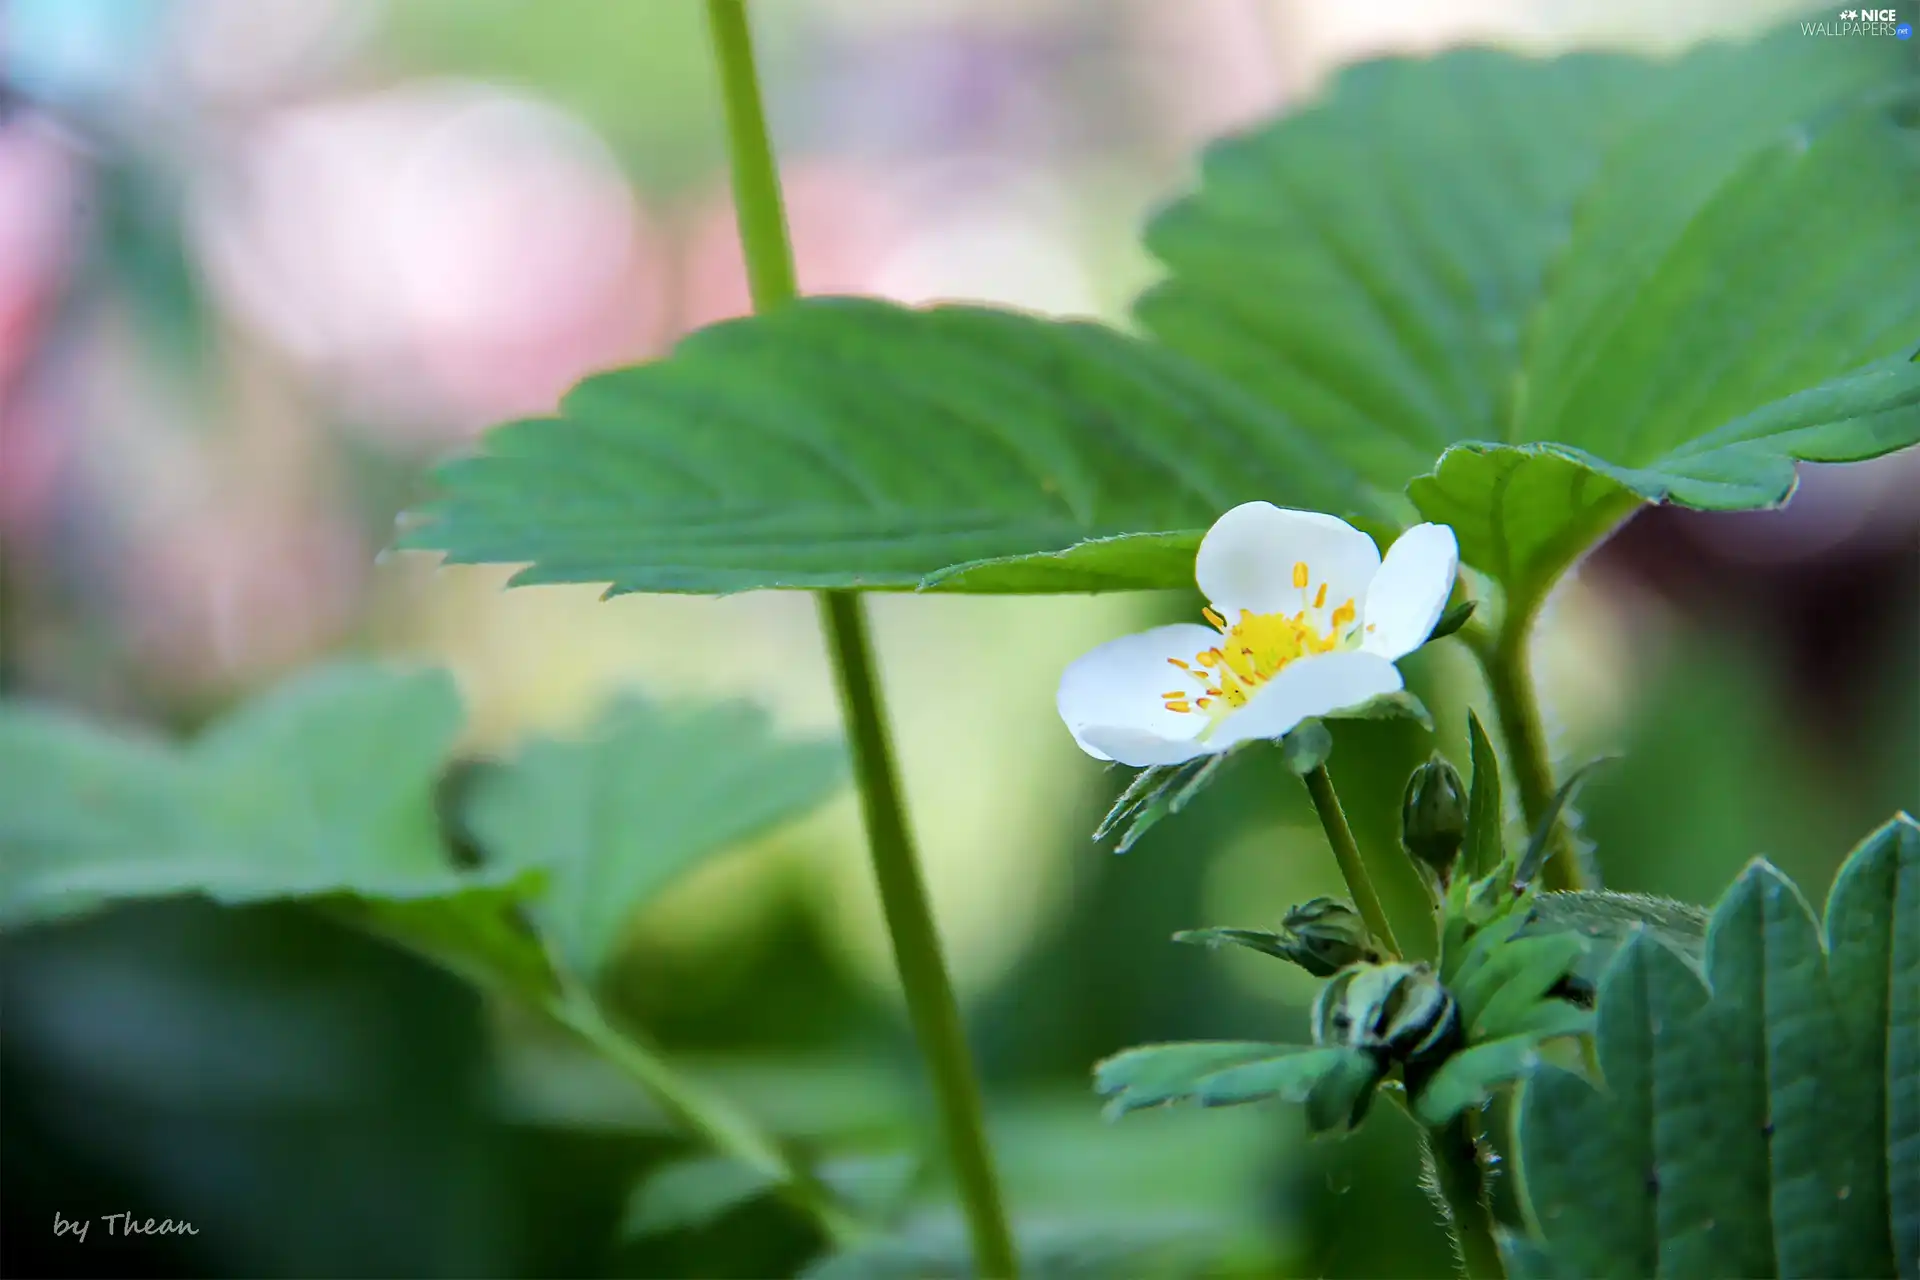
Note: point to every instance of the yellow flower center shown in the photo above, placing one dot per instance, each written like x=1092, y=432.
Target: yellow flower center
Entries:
x=1257, y=647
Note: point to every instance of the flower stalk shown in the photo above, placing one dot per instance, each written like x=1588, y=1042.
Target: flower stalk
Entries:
x=931, y=1004
x=1346, y=852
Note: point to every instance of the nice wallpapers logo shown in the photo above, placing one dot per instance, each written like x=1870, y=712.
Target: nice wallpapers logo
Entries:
x=1862, y=22
x=121, y=1224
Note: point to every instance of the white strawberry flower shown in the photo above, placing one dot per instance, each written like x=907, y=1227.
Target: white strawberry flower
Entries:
x=1307, y=620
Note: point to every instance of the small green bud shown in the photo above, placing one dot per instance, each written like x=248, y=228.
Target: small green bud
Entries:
x=1328, y=935
x=1399, y=1012
x=1433, y=819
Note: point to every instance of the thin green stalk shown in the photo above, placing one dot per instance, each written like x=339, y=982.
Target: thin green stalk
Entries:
x=903, y=896
x=1346, y=852
x=1459, y=1185
x=758, y=206
x=1510, y=680
x=916, y=943
x=709, y=1116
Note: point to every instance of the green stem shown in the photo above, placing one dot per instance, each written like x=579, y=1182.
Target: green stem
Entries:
x=903, y=896
x=758, y=206
x=916, y=944
x=696, y=1111
x=1510, y=680
x=1459, y=1185
x=1346, y=852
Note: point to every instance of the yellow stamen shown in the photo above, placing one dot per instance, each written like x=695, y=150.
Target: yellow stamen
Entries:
x=1255, y=649
x=1300, y=574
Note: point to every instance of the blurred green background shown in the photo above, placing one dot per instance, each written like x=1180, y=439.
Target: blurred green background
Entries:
x=262, y=263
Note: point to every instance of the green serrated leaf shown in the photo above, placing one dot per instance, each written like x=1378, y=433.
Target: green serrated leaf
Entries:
x=847, y=442
x=1485, y=844
x=1748, y=1121
x=1873, y=941
x=1212, y=1073
x=613, y=818
x=1547, y=273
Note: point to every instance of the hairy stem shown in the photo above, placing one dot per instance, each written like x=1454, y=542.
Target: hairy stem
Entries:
x=1346, y=852
x=693, y=1109
x=903, y=896
x=1459, y=1186
x=1510, y=680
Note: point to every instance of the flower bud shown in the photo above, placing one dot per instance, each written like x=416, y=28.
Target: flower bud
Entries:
x=1399, y=1012
x=1433, y=818
x=1327, y=936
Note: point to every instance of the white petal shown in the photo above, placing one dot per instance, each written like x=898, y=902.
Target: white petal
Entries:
x=1410, y=592
x=1112, y=698
x=1313, y=686
x=1139, y=748
x=1247, y=560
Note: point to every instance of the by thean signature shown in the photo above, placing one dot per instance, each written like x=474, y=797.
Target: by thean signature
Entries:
x=122, y=1224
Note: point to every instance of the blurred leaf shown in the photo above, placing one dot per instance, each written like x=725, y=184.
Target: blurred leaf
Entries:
x=654, y=790
x=1212, y=1073
x=1581, y=283
x=846, y=442
x=1306, y=746
x=322, y=790
x=699, y=1191
x=144, y=256
x=692, y=1193
x=1339, y=1099
x=637, y=73
x=1760, y=1122
x=1524, y=1258
x=323, y=786
x=1093, y=1246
